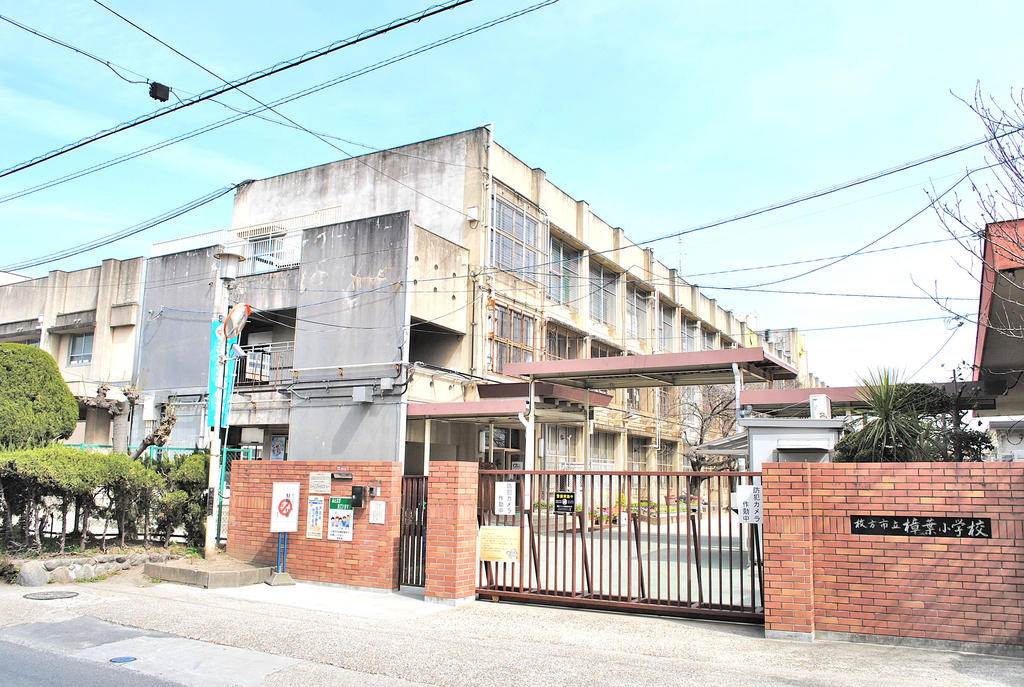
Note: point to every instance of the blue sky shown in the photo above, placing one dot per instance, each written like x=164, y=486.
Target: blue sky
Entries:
x=662, y=115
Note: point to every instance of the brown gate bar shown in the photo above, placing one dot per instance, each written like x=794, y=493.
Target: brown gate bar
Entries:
x=665, y=543
x=412, y=537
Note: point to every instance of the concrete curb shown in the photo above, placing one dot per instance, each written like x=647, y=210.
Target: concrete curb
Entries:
x=208, y=579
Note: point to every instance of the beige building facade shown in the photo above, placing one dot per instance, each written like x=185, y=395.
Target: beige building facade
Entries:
x=88, y=321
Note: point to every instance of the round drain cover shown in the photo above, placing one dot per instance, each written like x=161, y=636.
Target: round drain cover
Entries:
x=122, y=659
x=47, y=596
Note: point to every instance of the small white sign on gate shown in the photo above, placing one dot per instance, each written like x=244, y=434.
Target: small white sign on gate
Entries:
x=504, y=498
x=748, y=503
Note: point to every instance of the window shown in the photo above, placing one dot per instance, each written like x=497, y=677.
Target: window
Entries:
x=667, y=330
x=512, y=337
x=602, y=451
x=637, y=454
x=636, y=312
x=506, y=448
x=514, y=244
x=602, y=293
x=564, y=273
x=708, y=340
x=600, y=350
x=689, y=335
x=562, y=344
x=633, y=397
x=666, y=456
x=80, y=352
x=560, y=448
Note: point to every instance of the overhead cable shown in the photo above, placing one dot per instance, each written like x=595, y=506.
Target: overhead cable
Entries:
x=255, y=76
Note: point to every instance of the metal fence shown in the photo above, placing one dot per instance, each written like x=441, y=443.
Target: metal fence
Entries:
x=266, y=364
x=654, y=542
x=412, y=541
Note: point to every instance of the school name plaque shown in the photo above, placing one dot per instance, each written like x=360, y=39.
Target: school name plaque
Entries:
x=922, y=526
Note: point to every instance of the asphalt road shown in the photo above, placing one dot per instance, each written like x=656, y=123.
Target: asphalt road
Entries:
x=27, y=667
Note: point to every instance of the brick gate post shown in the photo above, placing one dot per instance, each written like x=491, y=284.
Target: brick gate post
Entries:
x=788, y=551
x=451, y=532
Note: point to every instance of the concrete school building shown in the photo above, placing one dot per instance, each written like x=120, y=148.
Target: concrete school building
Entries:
x=389, y=286
x=88, y=320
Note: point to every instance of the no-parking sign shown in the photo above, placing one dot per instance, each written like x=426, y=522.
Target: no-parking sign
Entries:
x=284, y=507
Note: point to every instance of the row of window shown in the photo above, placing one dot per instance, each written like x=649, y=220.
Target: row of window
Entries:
x=515, y=247
x=561, y=442
x=514, y=338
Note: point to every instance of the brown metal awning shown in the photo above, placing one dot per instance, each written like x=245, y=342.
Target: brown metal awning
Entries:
x=502, y=404
x=662, y=369
x=795, y=402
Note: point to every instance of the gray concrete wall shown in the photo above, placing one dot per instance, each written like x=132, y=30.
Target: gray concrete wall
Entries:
x=366, y=186
x=174, y=351
x=351, y=312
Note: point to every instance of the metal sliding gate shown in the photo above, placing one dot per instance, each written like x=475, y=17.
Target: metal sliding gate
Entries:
x=665, y=543
x=412, y=539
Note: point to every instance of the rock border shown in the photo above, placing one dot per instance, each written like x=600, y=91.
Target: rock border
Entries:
x=39, y=572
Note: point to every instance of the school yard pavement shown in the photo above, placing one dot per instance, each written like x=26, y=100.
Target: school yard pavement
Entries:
x=318, y=635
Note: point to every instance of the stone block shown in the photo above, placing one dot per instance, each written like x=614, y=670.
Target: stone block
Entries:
x=63, y=576
x=84, y=572
x=33, y=574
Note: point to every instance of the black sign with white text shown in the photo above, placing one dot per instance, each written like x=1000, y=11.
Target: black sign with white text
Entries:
x=922, y=526
x=565, y=502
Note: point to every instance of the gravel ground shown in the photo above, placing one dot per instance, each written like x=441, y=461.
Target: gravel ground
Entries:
x=496, y=644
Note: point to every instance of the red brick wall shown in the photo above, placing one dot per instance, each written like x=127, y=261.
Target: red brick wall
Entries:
x=451, y=530
x=369, y=560
x=960, y=590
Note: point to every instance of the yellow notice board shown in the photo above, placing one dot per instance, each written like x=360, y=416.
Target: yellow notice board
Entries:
x=499, y=544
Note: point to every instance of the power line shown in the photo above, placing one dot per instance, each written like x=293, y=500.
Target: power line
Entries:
x=881, y=324
x=255, y=76
x=823, y=293
x=944, y=344
x=124, y=233
x=829, y=257
x=286, y=99
x=106, y=63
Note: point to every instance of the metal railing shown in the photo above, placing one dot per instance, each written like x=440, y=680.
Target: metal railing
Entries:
x=270, y=253
x=266, y=364
x=652, y=542
x=412, y=540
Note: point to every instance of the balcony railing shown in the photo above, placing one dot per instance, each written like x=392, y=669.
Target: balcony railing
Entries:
x=266, y=364
x=271, y=253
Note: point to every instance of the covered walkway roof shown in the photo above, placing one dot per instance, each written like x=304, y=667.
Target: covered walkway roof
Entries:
x=502, y=403
x=662, y=369
x=795, y=402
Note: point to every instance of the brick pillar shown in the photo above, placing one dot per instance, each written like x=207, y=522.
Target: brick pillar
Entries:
x=451, y=532
x=788, y=551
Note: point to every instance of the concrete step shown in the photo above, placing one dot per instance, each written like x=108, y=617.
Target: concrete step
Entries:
x=209, y=579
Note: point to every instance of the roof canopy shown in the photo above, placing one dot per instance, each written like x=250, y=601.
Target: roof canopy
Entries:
x=502, y=404
x=795, y=402
x=663, y=369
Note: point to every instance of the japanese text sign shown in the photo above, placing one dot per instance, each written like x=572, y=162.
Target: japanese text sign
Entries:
x=962, y=527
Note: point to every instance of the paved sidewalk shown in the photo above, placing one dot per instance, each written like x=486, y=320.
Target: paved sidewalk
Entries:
x=319, y=635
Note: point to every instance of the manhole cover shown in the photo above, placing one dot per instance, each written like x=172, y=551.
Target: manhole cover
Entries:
x=122, y=659
x=47, y=596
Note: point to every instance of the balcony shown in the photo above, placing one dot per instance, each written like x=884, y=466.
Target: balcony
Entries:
x=268, y=364
x=270, y=253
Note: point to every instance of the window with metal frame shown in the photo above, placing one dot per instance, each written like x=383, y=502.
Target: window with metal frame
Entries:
x=512, y=337
x=666, y=456
x=602, y=451
x=602, y=293
x=708, y=340
x=560, y=448
x=636, y=312
x=600, y=350
x=514, y=240
x=690, y=328
x=667, y=330
x=562, y=343
x=563, y=273
x=80, y=350
x=637, y=454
